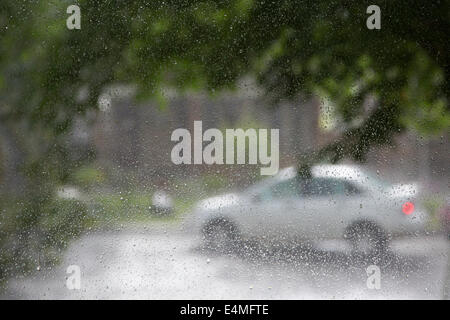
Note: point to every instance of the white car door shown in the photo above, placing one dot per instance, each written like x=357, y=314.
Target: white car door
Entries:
x=273, y=214
x=320, y=208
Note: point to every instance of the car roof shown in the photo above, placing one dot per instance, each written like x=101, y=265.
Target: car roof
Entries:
x=338, y=171
x=348, y=172
x=352, y=172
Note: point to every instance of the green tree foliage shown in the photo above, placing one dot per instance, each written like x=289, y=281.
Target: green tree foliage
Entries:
x=289, y=47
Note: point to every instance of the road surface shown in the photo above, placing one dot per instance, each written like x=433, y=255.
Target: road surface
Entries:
x=166, y=262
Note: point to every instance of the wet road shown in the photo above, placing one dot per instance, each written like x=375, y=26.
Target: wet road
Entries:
x=165, y=262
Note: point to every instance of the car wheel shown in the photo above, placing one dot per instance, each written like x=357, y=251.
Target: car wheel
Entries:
x=367, y=238
x=221, y=235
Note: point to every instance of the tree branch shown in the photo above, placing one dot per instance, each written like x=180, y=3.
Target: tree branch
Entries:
x=376, y=130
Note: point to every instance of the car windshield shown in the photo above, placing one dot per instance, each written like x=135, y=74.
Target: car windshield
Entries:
x=233, y=149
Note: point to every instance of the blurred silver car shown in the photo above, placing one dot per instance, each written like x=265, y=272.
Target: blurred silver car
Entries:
x=334, y=202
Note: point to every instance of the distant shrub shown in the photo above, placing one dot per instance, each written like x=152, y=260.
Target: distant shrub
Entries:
x=34, y=231
x=62, y=220
x=433, y=204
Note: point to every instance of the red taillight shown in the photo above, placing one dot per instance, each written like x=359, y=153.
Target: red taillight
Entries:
x=408, y=208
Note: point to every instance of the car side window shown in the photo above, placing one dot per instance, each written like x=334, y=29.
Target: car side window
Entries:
x=282, y=190
x=316, y=187
x=351, y=189
x=295, y=187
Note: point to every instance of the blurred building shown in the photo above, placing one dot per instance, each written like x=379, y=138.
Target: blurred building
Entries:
x=134, y=139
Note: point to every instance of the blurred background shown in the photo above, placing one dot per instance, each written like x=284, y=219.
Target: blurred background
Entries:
x=86, y=117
